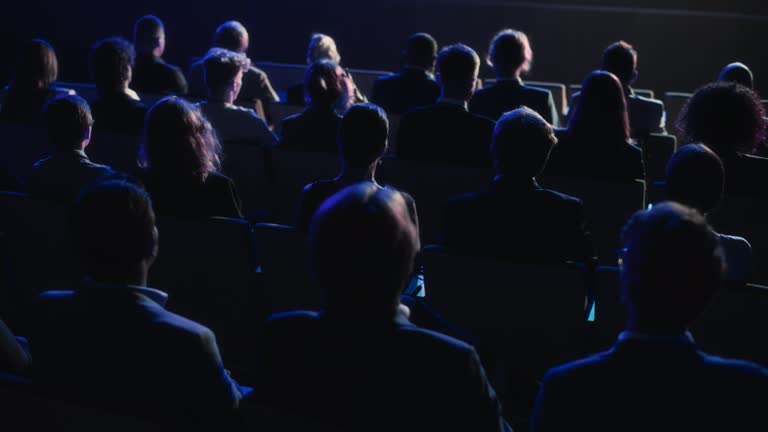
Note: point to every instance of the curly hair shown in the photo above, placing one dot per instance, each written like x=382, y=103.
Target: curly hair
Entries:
x=111, y=61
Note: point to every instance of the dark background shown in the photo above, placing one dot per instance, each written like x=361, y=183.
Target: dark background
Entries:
x=682, y=43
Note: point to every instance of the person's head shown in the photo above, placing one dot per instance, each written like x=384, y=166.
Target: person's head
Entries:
x=322, y=47
x=149, y=35
x=113, y=226
x=601, y=114
x=363, y=135
x=111, y=62
x=179, y=142
x=421, y=51
x=457, y=69
x=522, y=142
x=620, y=59
x=362, y=245
x=231, y=36
x=510, y=53
x=725, y=116
x=695, y=177
x=224, y=73
x=37, y=66
x=671, y=266
x=68, y=122
x=322, y=83
x=738, y=73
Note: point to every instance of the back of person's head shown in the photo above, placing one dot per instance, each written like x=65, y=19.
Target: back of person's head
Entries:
x=231, y=35
x=111, y=62
x=738, y=73
x=322, y=47
x=222, y=67
x=725, y=116
x=620, y=59
x=457, y=69
x=510, y=53
x=522, y=142
x=363, y=135
x=421, y=51
x=37, y=66
x=695, y=177
x=179, y=142
x=671, y=267
x=362, y=245
x=322, y=83
x=68, y=122
x=601, y=117
x=113, y=226
x=149, y=34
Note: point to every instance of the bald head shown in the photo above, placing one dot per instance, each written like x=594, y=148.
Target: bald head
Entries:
x=738, y=73
x=232, y=36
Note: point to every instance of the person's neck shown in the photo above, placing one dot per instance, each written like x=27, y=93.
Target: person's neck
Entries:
x=637, y=326
x=356, y=174
x=226, y=99
x=453, y=97
x=148, y=53
x=508, y=77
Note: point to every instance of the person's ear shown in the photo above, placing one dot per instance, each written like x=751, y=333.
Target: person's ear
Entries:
x=634, y=77
x=87, y=136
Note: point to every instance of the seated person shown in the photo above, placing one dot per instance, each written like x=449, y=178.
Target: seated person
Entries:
x=360, y=364
x=14, y=358
x=738, y=73
x=33, y=84
x=61, y=176
x=655, y=377
x=362, y=142
x=117, y=108
x=446, y=131
x=695, y=178
x=110, y=343
x=224, y=77
x=516, y=217
x=181, y=155
x=511, y=57
x=151, y=73
x=415, y=85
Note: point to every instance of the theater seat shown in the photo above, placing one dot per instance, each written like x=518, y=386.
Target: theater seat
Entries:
x=118, y=151
x=247, y=164
x=657, y=150
x=291, y=171
x=20, y=147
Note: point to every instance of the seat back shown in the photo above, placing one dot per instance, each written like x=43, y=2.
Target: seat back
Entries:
x=657, y=150
x=746, y=216
x=291, y=171
x=674, y=103
x=284, y=75
x=280, y=111
x=20, y=147
x=118, y=151
x=247, y=165
x=559, y=94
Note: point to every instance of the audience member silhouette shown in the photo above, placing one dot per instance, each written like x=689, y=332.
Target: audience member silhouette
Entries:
x=729, y=118
x=447, y=131
x=315, y=128
x=117, y=107
x=362, y=141
x=61, y=176
x=110, y=342
x=515, y=217
x=654, y=377
x=180, y=154
x=738, y=73
x=415, y=85
x=151, y=73
x=511, y=57
x=224, y=78
x=597, y=143
x=359, y=364
x=33, y=84
x=14, y=358
x=695, y=178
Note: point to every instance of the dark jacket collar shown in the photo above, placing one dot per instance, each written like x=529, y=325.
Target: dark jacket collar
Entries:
x=518, y=184
x=155, y=295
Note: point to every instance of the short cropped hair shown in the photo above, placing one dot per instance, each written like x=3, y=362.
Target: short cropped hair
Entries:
x=457, y=65
x=421, y=50
x=230, y=35
x=522, y=142
x=510, y=52
x=222, y=66
x=322, y=85
x=67, y=119
x=738, y=73
x=620, y=59
x=111, y=61
x=695, y=177
x=363, y=134
x=146, y=31
x=322, y=46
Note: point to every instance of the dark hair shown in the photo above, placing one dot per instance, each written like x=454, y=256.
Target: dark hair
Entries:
x=179, y=140
x=363, y=134
x=111, y=61
x=67, y=119
x=695, y=177
x=230, y=35
x=620, y=59
x=738, y=73
x=509, y=52
x=421, y=50
x=725, y=116
x=457, y=65
x=600, y=117
x=362, y=245
x=36, y=68
x=322, y=85
x=146, y=31
x=113, y=227
x=522, y=142
x=671, y=267
x=222, y=66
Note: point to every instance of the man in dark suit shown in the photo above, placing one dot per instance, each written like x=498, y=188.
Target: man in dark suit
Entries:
x=415, y=85
x=151, y=73
x=654, y=377
x=447, y=131
x=510, y=55
x=61, y=176
x=110, y=343
x=360, y=364
x=516, y=217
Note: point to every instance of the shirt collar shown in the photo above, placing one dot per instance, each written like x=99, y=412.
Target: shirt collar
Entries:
x=516, y=80
x=675, y=338
x=452, y=101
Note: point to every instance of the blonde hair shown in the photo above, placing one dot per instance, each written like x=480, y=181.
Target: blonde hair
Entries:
x=322, y=46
